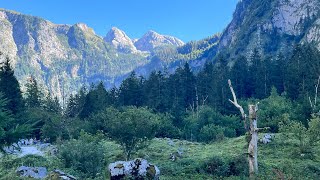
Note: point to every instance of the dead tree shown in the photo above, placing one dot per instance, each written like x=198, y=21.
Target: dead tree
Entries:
x=253, y=132
x=314, y=103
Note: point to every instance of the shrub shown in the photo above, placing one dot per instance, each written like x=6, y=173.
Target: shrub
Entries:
x=211, y=133
x=226, y=167
x=216, y=166
x=84, y=155
x=132, y=128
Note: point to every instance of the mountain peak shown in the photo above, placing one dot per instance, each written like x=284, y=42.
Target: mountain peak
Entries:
x=152, y=39
x=120, y=40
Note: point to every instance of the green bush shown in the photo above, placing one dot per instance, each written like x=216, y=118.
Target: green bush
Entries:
x=131, y=128
x=226, y=167
x=211, y=133
x=84, y=155
x=307, y=138
x=216, y=166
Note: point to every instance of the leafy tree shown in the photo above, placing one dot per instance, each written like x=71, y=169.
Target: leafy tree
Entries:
x=210, y=133
x=132, y=128
x=85, y=155
x=307, y=137
x=273, y=109
x=10, y=88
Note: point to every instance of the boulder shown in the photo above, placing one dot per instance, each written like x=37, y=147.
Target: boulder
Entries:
x=136, y=169
x=266, y=138
x=32, y=172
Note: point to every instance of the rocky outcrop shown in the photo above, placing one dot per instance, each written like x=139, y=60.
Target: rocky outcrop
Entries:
x=120, y=41
x=271, y=26
x=136, y=169
x=32, y=172
x=61, y=57
x=152, y=40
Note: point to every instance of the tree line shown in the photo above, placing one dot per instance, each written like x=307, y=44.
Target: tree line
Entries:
x=186, y=105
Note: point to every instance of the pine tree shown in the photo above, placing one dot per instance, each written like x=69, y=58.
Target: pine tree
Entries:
x=95, y=101
x=10, y=130
x=131, y=92
x=52, y=104
x=239, y=75
x=10, y=88
x=33, y=94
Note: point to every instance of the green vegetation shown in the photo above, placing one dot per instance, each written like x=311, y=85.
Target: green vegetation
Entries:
x=100, y=126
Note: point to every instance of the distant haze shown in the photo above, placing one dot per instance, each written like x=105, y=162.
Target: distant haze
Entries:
x=185, y=19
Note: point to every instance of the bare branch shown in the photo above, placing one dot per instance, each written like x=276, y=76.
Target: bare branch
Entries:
x=262, y=129
x=316, y=95
x=235, y=102
x=314, y=104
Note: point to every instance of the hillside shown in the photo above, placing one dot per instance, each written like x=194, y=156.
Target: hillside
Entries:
x=271, y=26
x=195, y=160
x=65, y=57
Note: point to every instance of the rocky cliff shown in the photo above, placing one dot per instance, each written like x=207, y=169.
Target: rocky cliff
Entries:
x=271, y=26
x=64, y=57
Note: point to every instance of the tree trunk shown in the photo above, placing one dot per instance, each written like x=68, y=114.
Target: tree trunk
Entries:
x=253, y=145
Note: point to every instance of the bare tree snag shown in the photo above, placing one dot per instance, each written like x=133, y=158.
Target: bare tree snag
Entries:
x=235, y=103
x=253, y=132
x=253, y=145
x=314, y=103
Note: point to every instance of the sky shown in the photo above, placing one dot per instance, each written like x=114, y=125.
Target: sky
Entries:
x=185, y=19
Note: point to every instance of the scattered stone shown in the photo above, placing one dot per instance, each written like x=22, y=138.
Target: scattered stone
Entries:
x=59, y=175
x=170, y=142
x=30, y=147
x=180, y=151
x=136, y=169
x=266, y=138
x=32, y=172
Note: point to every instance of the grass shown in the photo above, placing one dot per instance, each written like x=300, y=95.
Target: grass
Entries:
x=276, y=157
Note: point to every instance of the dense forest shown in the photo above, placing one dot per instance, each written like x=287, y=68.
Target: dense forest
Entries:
x=191, y=107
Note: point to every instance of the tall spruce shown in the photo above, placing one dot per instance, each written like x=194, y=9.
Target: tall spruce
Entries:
x=33, y=94
x=10, y=87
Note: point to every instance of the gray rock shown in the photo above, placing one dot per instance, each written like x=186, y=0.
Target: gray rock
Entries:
x=152, y=40
x=267, y=138
x=138, y=168
x=58, y=174
x=32, y=172
x=170, y=142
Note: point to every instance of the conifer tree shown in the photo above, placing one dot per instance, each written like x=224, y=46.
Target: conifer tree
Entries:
x=10, y=87
x=33, y=94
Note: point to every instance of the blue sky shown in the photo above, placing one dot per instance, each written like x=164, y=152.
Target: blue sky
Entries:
x=185, y=19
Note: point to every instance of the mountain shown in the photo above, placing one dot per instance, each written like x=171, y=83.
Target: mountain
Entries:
x=271, y=26
x=120, y=40
x=61, y=57
x=152, y=40
x=65, y=57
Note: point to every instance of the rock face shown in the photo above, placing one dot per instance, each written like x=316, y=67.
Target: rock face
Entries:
x=151, y=40
x=63, y=58
x=120, y=41
x=32, y=172
x=136, y=169
x=271, y=26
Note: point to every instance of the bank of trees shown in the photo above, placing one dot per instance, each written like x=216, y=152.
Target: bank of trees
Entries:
x=184, y=104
